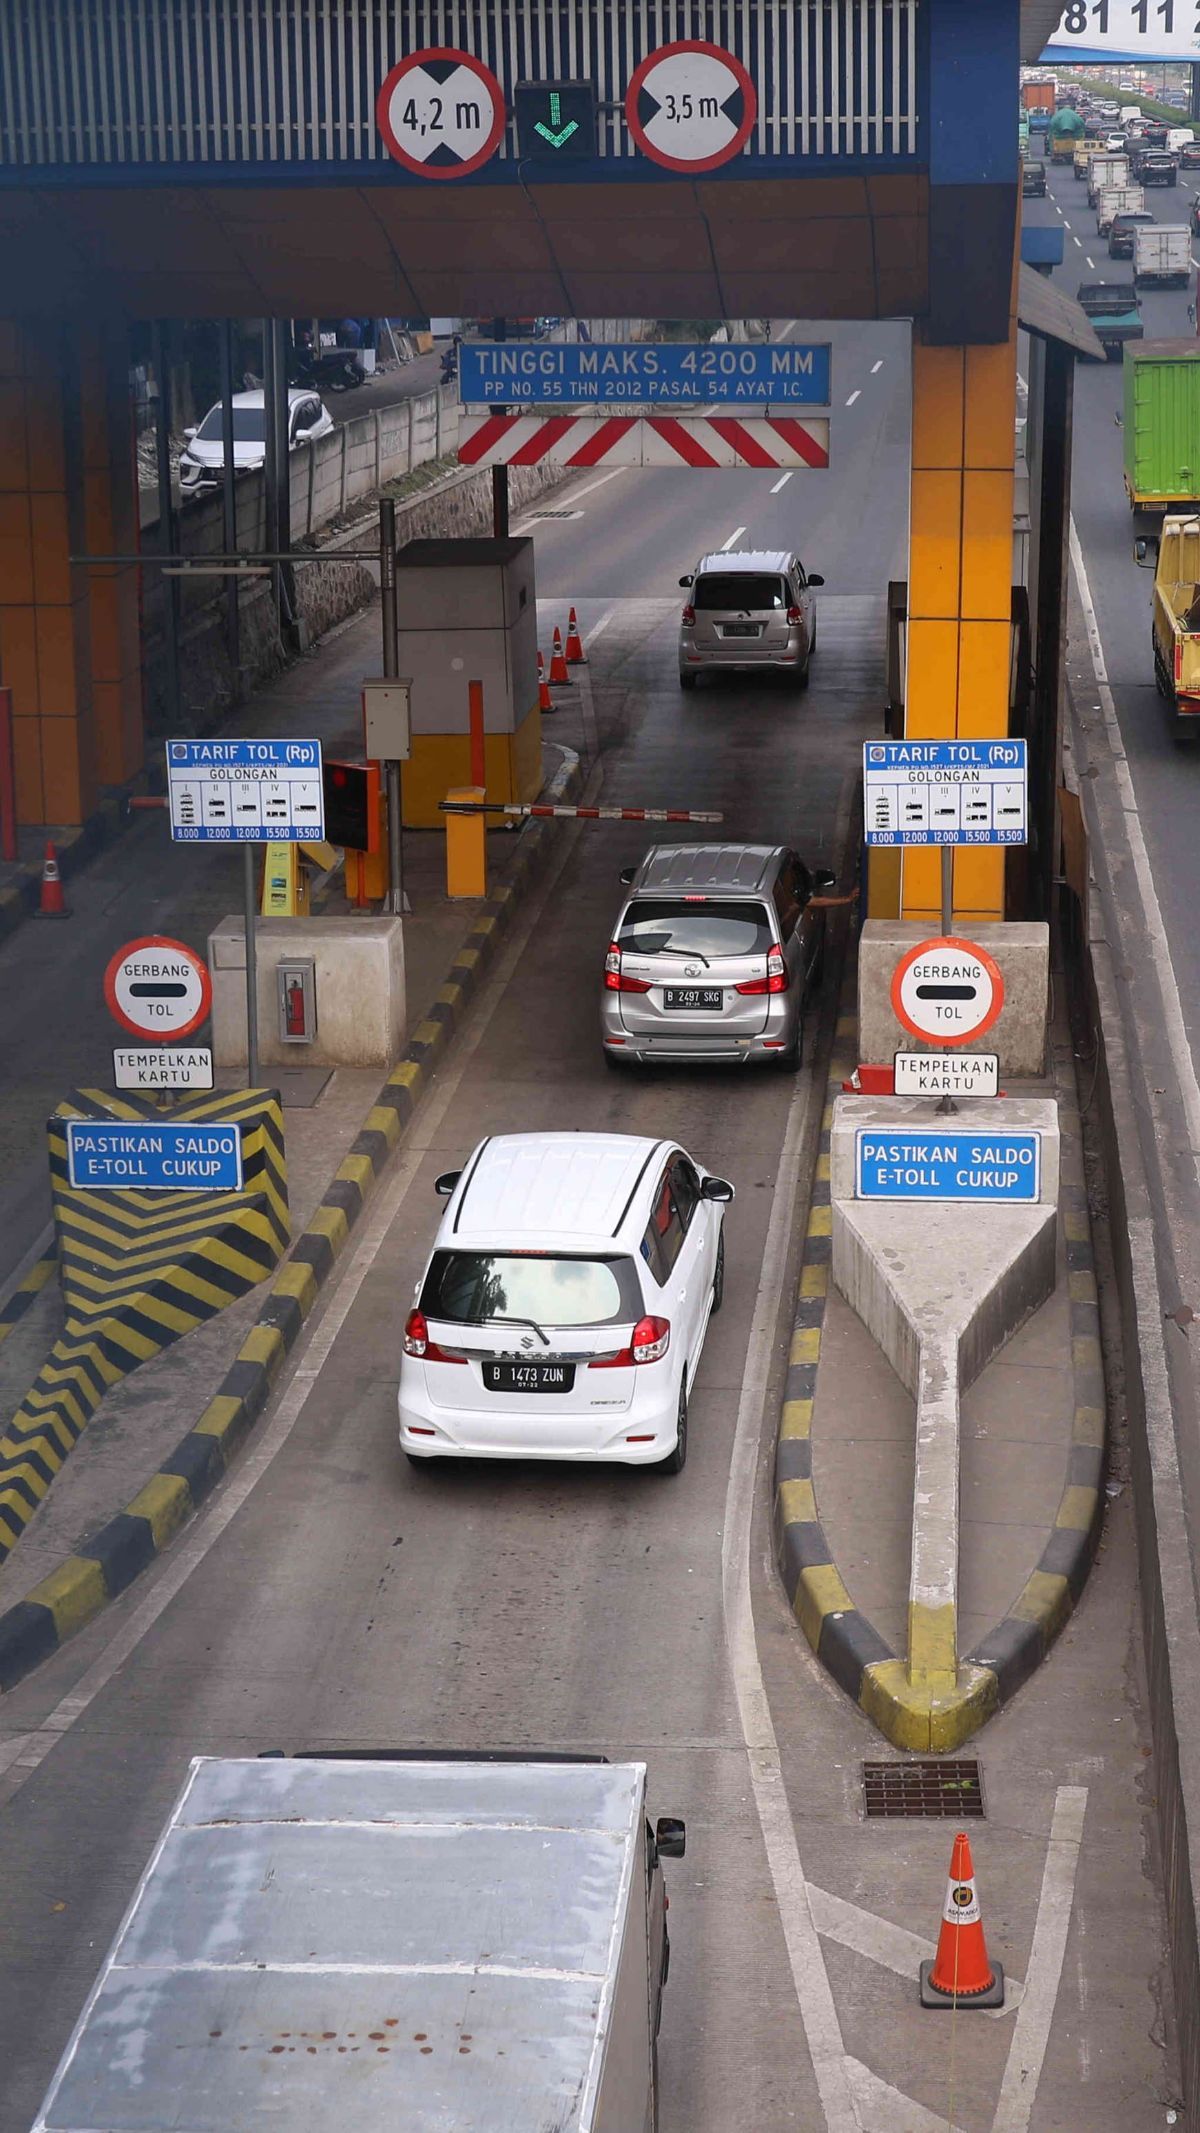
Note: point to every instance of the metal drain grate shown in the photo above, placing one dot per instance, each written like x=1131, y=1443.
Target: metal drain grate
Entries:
x=927, y=1792
x=555, y=514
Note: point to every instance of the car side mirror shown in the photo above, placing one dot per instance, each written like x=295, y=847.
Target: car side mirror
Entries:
x=824, y=878
x=716, y=1189
x=626, y=875
x=670, y=1835
x=445, y=1185
x=815, y=578
x=190, y=431
x=303, y=437
x=1145, y=550
x=685, y=581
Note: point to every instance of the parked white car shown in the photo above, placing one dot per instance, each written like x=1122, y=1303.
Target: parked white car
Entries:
x=563, y=1310
x=203, y=457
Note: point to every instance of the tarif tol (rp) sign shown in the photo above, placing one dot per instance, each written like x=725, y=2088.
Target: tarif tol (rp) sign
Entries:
x=634, y=373
x=153, y=1155
x=928, y=1163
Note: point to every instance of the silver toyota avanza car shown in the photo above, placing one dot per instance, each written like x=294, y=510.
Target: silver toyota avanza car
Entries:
x=713, y=956
x=750, y=611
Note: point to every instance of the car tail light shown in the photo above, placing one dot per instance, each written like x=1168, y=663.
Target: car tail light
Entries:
x=417, y=1342
x=689, y=614
x=776, y=979
x=1178, y=662
x=794, y=616
x=614, y=981
x=649, y=1343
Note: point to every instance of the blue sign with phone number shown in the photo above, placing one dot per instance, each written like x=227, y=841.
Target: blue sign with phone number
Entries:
x=631, y=373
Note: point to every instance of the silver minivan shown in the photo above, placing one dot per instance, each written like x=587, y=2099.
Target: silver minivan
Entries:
x=713, y=956
x=748, y=609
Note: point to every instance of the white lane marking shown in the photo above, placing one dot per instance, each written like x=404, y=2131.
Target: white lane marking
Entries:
x=1058, y=211
x=1152, y=918
x=1091, y=263
x=597, y=629
x=1195, y=261
x=1031, y=2034
x=892, y=1947
x=882, y=2109
x=855, y=395
x=877, y=366
x=24, y=1753
x=736, y=535
x=809, y=1976
x=1066, y=224
x=782, y=482
x=1075, y=240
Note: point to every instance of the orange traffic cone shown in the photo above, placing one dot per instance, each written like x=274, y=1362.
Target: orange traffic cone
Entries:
x=545, y=700
x=961, y=1975
x=559, y=676
x=575, y=654
x=53, y=903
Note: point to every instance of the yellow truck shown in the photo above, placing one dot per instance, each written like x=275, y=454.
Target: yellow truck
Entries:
x=1081, y=157
x=1175, y=557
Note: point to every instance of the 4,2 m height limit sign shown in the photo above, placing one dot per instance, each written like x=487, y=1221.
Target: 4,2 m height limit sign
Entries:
x=441, y=112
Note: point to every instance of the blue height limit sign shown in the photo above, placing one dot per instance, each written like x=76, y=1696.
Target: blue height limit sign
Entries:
x=930, y=1163
x=644, y=373
x=153, y=1155
x=945, y=792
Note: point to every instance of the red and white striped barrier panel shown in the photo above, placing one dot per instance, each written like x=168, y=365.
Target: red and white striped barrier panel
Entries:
x=644, y=440
x=580, y=814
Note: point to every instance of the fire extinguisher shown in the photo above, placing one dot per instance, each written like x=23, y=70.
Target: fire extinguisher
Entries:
x=294, y=1013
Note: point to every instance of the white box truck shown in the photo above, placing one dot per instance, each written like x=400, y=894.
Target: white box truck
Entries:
x=339, y=1944
x=1118, y=200
x=1104, y=172
x=1162, y=253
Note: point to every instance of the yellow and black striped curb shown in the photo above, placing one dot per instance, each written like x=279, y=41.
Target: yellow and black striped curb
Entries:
x=25, y=1293
x=852, y=1650
x=138, y=1271
x=112, y=1558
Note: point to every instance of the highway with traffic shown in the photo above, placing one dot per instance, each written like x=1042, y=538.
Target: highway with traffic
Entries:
x=1165, y=773
x=333, y=1596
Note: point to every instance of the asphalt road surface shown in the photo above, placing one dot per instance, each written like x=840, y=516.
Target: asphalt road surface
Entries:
x=330, y=1596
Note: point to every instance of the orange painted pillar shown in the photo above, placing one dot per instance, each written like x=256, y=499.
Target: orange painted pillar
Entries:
x=66, y=484
x=960, y=586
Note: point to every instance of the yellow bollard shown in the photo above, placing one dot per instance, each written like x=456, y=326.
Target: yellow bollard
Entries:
x=466, y=846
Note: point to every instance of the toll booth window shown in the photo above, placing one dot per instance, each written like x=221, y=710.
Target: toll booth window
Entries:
x=740, y=590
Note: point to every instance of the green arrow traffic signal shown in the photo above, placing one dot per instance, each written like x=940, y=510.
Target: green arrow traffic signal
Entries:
x=555, y=133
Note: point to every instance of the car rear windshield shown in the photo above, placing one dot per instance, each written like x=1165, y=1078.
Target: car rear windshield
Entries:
x=740, y=590
x=247, y=426
x=553, y=1289
x=679, y=926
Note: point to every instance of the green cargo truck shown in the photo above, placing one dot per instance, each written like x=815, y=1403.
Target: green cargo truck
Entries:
x=1162, y=424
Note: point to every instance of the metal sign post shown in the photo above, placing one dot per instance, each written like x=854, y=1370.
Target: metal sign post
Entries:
x=397, y=902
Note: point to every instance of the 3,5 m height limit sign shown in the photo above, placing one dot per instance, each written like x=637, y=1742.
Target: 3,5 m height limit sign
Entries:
x=1107, y=30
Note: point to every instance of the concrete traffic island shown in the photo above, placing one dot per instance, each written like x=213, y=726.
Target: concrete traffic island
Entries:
x=931, y=1557
x=941, y=1314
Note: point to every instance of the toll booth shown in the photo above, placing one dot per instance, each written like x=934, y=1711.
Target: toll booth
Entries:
x=466, y=611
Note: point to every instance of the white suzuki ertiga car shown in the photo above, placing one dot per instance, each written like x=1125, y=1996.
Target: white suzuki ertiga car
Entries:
x=564, y=1307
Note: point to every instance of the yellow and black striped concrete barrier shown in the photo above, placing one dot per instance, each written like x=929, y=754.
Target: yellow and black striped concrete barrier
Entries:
x=139, y=1269
x=110, y=1558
